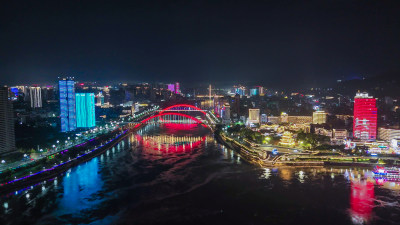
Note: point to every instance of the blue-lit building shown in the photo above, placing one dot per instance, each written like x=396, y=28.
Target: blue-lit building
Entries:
x=240, y=90
x=85, y=113
x=253, y=91
x=66, y=87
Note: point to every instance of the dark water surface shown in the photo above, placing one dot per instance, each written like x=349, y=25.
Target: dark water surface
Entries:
x=178, y=174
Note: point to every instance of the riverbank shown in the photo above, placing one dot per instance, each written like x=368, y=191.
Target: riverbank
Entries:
x=267, y=160
x=54, y=171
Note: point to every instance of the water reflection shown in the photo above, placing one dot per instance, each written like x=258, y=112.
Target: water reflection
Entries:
x=361, y=201
x=79, y=185
x=136, y=180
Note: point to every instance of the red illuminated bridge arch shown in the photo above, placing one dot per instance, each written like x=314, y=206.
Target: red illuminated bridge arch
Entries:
x=182, y=106
x=171, y=114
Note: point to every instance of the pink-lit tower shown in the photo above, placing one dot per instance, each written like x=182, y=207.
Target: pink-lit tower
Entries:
x=365, y=117
x=177, y=88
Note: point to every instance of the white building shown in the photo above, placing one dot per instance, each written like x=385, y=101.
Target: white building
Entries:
x=36, y=97
x=388, y=134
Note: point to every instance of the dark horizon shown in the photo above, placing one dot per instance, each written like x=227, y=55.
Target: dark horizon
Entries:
x=271, y=43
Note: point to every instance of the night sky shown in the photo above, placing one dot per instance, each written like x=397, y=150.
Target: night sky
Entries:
x=305, y=43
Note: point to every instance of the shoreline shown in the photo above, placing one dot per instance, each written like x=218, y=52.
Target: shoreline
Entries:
x=256, y=159
x=33, y=180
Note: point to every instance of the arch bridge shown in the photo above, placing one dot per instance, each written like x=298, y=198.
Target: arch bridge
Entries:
x=177, y=114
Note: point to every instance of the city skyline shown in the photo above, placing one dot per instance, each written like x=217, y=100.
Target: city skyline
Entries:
x=200, y=112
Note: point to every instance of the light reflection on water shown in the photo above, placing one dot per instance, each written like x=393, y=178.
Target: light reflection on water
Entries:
x=83, y=181
x=134, y=181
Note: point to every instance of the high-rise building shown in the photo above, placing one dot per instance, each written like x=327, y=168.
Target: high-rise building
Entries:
x=67, y=104
x=48, y=93
x=365, y=117
x=226, y=113
x=264, y=118
x=254, y=91
x=236, y=104
x=319, y=117
x=240, y=90
x=177, y=88
x=254, y=115
x=7, y=135
x=171, y=87
x=85, y=114
x=23, y=92
x=261, y=90
x=100, y=99
x=36, y=97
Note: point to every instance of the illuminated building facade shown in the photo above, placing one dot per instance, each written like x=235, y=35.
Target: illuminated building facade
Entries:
x=319, y=117
x=240, y=90
x=171, y=87
x=254, y=115
x=7, y=135
x=261, y=90
x=287, y=139
x=67, y=104
x=365, y=117
x=254, y=92
x=85, y=114
x=340, y=134
x=299, y=119
x=100, y=99
x=226, y=113
x=264, y=118
x=35, y=94
x=177, y=88
x=388, y=134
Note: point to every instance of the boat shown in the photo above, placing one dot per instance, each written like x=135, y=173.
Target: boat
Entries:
x=387, y=173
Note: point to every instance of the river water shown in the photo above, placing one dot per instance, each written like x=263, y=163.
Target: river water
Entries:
x=179, y=174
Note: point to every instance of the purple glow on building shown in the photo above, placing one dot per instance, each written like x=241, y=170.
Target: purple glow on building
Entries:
x=171, y=87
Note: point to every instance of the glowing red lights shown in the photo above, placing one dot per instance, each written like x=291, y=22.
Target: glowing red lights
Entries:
x=183, y=105
x=362, y=200
x=365, y=118
x=163, y=115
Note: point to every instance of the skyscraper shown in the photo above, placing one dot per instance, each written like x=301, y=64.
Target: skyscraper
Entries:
x=365, y=117
x=226, y=113
x=85, y=114
x=7, y=135
x=254, y=91
x=261, y=90
x=236, y=104
x=171, y=87
x=35, y=94
x=177, y=88
x=67, y=104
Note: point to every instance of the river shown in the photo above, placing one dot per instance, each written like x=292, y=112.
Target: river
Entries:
x=179, y=174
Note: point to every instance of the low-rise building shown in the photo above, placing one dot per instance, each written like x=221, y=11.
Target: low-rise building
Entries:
x=388, y=134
